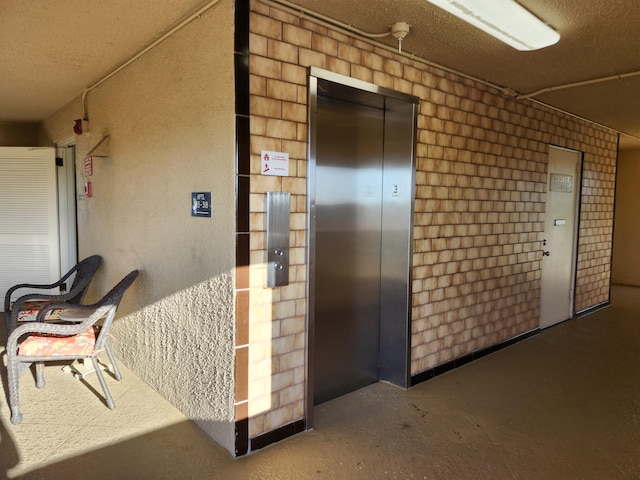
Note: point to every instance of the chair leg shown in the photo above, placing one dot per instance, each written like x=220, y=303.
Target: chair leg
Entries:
x=40, y=383
x=112, y=360
x=13, y=375
x=103, y=384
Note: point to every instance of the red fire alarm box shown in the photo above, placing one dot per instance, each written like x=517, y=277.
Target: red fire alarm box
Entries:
x=87, y=189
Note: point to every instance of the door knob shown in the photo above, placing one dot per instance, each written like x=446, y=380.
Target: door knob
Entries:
x=546, y=254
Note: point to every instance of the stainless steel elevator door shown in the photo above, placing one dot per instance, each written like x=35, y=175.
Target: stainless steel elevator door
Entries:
x=349, y=163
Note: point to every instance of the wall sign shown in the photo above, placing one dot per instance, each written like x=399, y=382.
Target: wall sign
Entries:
x=274, y=163
x=201, y=204
x=88, y=166
x=561, y=183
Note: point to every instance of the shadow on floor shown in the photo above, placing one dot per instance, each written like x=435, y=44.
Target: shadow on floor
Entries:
x=181, y=451
x=564, y=404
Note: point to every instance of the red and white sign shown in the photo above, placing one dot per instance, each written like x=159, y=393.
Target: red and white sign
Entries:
x=274, y=163
x=88, y=166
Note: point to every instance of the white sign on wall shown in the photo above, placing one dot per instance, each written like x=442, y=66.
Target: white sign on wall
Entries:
x=274, y=163
x=561, y=183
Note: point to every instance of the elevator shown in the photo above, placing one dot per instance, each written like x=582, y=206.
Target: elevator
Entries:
x=361, y=190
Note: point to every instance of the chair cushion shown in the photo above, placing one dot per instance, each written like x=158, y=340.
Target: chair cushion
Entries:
x=50, y=345
x=31, y=309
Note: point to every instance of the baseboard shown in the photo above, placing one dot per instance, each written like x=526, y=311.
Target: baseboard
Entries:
x=458, y=362
x=589, y=310
x=277, y=435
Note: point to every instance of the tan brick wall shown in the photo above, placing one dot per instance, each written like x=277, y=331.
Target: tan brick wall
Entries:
x=277, y=316
x=596, y=223
x=479, y=208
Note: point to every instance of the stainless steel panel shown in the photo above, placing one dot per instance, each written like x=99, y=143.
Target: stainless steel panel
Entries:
x=277, y=236
x=397, y=236
x=331, y=331
x=347, y=270
x=332, y=83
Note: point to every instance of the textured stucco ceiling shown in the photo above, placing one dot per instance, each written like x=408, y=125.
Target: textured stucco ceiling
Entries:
x=599, y=38
x=53, y=49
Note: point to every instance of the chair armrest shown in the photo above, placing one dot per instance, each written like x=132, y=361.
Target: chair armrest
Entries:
x=86, y=311
x=40, y=286
x=44, y=327
x=17, y=305
x=32, y=296
x=94, y=313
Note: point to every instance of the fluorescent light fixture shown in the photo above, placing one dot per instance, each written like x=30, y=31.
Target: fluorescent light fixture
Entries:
x=505, y=20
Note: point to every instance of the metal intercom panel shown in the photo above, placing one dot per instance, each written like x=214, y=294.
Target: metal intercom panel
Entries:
x=278, y=224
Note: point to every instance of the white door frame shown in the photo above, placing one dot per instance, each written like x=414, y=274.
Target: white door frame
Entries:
x=67, y=205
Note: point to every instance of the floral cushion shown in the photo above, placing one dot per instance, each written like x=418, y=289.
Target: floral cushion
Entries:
x=50, y=345
x=30, y=311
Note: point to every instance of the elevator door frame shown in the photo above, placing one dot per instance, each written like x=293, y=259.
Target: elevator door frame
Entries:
x=399, y=155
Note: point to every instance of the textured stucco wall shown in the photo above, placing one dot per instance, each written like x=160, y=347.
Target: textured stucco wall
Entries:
x=18, y=134
x=626, y=235
x=170, y=117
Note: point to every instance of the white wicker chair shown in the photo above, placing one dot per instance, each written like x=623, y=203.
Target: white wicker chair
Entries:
x=80, y=338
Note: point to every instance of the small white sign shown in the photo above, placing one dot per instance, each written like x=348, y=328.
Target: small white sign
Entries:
x=88, y=166
x=561, y=183
x=275, y=163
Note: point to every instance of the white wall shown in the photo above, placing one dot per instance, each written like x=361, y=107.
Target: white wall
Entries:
x=170, y=118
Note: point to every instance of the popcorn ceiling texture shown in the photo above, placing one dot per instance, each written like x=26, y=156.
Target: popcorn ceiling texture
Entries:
x=479, y=210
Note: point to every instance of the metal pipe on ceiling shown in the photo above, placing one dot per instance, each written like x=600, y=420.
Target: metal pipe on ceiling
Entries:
x=349, y=29
x=346, y=28
x=579, y=84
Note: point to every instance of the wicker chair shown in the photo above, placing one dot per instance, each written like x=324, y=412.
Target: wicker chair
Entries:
x=80, y=338
x=26, y=307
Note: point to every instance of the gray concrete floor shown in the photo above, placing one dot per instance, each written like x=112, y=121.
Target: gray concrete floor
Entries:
x=561, y=405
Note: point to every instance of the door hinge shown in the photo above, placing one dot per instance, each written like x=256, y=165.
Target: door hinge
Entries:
x=59, y=162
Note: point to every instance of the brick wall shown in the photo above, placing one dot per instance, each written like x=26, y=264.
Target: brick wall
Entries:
x=596, y=222
x=479, y=208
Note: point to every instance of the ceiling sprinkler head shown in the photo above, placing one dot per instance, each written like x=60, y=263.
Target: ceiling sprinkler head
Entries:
x=400, y=30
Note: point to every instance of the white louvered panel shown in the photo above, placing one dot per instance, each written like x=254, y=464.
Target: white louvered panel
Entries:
x=29, y=243
x=24, y=192
x=25, y=264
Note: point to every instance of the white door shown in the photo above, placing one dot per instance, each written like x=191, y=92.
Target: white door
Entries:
x=29, y=242
x=560, y=236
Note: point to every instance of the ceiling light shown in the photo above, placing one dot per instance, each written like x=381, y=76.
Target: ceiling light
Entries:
x=506, y=20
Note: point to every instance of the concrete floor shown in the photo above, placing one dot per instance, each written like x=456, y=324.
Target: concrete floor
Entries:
x=561, y=405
